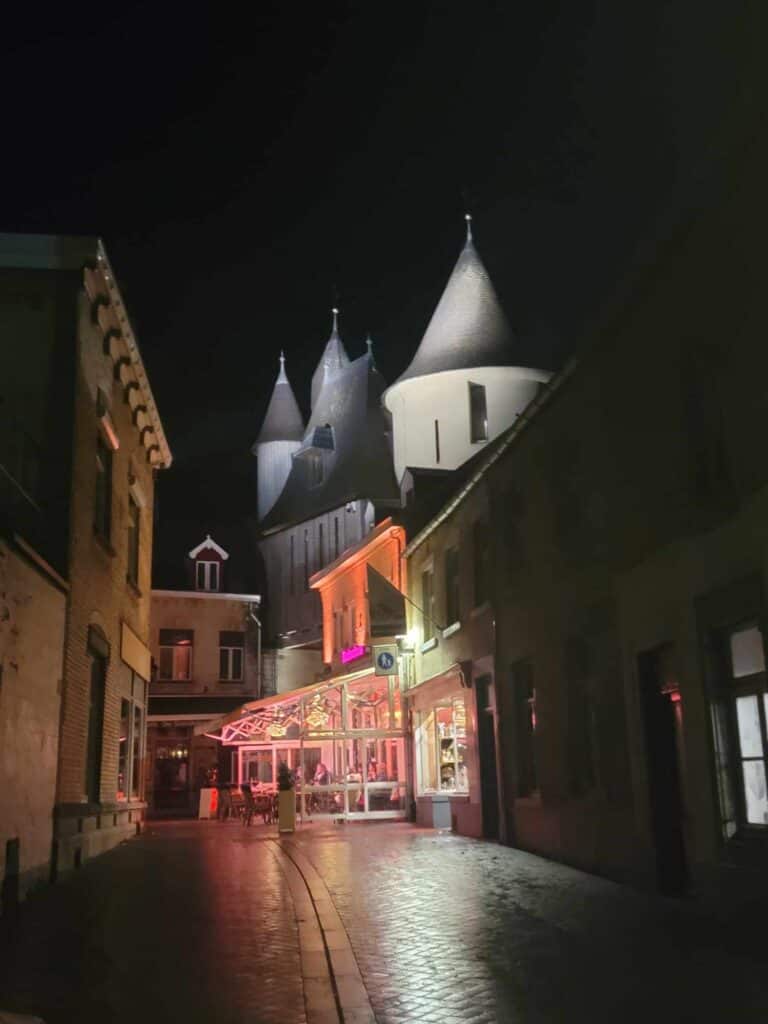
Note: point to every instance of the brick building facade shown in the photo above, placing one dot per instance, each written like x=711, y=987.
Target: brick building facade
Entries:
x=82, y=440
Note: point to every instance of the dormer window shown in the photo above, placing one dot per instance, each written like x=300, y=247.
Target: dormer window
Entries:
x=207, y=563
x=207, y=575
x=478, y=414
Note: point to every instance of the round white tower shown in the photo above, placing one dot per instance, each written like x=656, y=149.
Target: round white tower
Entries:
x=462, y=388
x=280, y=436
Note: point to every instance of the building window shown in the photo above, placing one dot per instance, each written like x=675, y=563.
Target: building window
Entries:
x=428, y=603
x=207, y=576
x=131, y=744
x=441, y=744
x=231, y=646
x=482, y=562
x=740, y=714
x=176, y=654
x=437, y=441
x=478, y=413
x=338, y=627
x=95, y=727
x=524, y=695
x=320, y=546
x=452, y=610
x=102, y=509
x=292, y=567
x=335, y=536
x=134, y=534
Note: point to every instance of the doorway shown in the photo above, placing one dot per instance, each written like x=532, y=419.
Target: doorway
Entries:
x=486, y=741
x=660, y=699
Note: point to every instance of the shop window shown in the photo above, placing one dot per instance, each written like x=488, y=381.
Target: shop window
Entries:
x=231, y=646
x=102, y=508
x=207, y=576
x=441, y=744
x=452, y=609
x=176, y=654
x=137, y=747
x=478, y=414
x=134, y=526
x=481, y=562
x=740, y=714
x=428, y=603
x=122, y=751
x=525, y=727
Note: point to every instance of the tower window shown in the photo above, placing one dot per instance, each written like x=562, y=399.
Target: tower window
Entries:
x=437, y=441
x=478, y=413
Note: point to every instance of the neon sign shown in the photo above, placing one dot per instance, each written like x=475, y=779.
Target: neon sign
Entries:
x=352, y=653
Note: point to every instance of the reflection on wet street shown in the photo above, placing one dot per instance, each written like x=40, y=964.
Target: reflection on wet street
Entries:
x=196, y=922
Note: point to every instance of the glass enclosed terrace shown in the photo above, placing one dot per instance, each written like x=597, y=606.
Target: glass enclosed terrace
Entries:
x=344, y=740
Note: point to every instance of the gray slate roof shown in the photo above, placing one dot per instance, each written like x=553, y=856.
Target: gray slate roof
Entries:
x=469, y=327
x=283, y=421
x=360, y=465
x=333, y=359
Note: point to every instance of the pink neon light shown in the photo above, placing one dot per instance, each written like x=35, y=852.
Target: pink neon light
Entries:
x=350, y=653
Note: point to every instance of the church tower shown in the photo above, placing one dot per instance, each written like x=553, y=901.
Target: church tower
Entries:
x=280, y=436
x=462, y=388
x=333, y=359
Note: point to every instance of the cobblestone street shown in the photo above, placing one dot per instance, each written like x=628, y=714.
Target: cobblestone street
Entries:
x=209, y=922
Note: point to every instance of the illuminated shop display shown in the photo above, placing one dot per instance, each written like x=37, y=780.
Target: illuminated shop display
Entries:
x=343, y=739
x=441, y=745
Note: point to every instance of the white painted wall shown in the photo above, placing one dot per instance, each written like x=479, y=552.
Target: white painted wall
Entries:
x=416, y=404
x=273, y=464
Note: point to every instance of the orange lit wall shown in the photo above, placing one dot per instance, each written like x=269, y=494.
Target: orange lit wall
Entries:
x=344, y=585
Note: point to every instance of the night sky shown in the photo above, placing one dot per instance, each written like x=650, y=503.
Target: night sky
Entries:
x=248, y=167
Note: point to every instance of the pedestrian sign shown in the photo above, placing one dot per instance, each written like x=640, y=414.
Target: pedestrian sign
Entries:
x=385, y=659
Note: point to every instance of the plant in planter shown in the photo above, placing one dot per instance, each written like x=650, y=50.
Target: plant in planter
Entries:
x=286, y=801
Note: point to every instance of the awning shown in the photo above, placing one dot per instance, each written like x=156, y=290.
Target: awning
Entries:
x=279, y=701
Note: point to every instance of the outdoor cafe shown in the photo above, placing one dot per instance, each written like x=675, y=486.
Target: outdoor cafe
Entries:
x=343, y=739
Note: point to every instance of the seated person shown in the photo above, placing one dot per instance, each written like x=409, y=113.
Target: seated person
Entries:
x=322, y=776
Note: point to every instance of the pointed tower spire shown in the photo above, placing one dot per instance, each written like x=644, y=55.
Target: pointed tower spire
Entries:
x=279, y=437
x=283, y=421
x=333, y=359
x=468, y=219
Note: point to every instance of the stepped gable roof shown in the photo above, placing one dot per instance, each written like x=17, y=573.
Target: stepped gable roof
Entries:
x=283, y=421
x=469, y=327
x=359, y=465
x=333, y=359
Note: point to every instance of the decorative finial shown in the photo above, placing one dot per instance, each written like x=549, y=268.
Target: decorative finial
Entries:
x=468, y=219
x=335, y=319
x=282, y=357
x=281, y=377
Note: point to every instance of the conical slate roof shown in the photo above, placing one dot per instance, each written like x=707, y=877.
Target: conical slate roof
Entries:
x=283, y=421
x=333, y=359
x=468, y=327
x=360, y=465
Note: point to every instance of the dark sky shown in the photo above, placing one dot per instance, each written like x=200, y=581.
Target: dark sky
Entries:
x=246, y=164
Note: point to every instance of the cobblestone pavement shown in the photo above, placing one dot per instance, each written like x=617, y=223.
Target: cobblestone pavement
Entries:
x=198, y=922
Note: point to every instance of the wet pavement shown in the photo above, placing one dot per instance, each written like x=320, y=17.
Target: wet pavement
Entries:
x=215, y=922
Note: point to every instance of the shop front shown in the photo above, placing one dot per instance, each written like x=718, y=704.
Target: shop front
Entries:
x=446, y=763
x=344, y=740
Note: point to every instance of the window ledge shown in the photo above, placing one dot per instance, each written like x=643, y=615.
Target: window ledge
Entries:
x=429, y=645
x=450, y=630
x=103, y=543
x=480, y=610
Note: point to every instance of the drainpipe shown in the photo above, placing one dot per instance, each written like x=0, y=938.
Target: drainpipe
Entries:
x=252, y=608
